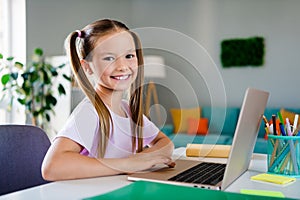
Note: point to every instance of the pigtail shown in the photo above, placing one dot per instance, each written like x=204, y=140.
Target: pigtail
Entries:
x=88, y=89
x=136, y=99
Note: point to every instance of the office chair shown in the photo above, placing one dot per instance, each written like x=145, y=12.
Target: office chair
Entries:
x=22, y=150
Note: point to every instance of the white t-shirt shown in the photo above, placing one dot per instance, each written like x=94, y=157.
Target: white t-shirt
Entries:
x=83, y=124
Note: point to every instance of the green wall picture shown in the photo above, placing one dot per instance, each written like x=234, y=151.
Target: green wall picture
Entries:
x=242, y=52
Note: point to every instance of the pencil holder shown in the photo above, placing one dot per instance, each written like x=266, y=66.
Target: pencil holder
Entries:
x=284, y=155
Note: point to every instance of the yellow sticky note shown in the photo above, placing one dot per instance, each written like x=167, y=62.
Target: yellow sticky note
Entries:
x=272, y=178
x=262, y=193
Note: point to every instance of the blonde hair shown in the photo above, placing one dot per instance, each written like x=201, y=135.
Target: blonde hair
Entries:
x=88, y=38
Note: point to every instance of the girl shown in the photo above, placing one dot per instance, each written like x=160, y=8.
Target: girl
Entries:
x=105, y=135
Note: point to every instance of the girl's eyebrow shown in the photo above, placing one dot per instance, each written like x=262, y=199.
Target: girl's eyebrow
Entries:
x=130, y=50
x=111, y=53
x=106, y=53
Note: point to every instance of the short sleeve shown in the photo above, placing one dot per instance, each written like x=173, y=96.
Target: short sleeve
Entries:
x=150, y=131
x=82, y=127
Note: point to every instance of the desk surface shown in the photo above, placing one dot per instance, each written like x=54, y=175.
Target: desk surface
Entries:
x=82, y=188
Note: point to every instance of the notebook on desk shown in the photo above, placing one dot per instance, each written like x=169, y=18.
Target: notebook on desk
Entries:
x=217, y=175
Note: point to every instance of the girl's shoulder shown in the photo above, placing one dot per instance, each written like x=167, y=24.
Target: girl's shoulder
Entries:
x=85, y=105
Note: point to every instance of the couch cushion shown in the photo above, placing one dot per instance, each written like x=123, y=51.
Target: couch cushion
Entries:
x=260, y=146
x=167, y=129
x=180, y=118
x=229, y=123
x=182, y=139
x=197, y=126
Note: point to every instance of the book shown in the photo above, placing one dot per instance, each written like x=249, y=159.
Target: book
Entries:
x=156, y=191
x=207, y=150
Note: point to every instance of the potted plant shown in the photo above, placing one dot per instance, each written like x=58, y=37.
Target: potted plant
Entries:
x=32, y=86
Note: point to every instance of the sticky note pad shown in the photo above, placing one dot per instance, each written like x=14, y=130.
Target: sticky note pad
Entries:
x=262, y=193
x=272, y=178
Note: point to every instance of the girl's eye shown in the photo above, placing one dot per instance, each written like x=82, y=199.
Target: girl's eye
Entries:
x=109, y=58
x=130, y=56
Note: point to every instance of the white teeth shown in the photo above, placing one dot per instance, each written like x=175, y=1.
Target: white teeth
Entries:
x=121, y=77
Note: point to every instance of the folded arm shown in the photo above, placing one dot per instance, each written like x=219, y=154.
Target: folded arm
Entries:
x=64, y=161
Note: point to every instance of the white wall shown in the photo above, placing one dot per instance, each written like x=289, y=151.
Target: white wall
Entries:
x=50, y=22
x=205, y=21
x=278, y=22
x=211, y=21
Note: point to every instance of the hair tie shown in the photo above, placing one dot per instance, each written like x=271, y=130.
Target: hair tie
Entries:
x=79, y=33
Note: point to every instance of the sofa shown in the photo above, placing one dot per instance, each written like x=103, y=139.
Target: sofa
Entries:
x=215, y=133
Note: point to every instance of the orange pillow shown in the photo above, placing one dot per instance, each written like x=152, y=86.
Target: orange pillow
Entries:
x=198, y=126
x=180, y=118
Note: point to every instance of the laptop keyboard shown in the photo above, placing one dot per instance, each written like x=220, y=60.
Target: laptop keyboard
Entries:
x=203, y=173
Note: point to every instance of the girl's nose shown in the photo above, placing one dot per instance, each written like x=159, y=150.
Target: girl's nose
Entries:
x=123, y=68
x=122, y=65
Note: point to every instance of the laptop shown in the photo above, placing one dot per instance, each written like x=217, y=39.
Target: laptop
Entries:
x=218, y=176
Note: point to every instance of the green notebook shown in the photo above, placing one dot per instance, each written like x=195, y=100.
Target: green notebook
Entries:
x=156, y=191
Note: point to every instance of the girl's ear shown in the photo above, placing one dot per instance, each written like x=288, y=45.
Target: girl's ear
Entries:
x=86, y=66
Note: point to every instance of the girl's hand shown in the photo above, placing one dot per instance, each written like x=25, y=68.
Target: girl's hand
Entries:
x=144, y=161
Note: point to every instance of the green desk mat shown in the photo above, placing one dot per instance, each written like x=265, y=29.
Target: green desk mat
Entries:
x=156, y=191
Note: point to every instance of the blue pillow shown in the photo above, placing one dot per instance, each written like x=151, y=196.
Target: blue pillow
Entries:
x=229, y=123
x=167, y=129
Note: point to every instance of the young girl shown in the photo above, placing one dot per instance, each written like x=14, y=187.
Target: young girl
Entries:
x=106, y=135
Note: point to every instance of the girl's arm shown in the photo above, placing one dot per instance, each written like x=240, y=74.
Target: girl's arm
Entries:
x=161, y=145
x=63, y=161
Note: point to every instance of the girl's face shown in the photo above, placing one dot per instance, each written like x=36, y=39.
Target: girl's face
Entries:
x=114, y=61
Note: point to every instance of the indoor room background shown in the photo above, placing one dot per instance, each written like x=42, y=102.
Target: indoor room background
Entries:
x=206, y=22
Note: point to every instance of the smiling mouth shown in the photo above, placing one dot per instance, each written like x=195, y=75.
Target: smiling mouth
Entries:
x=124, y=77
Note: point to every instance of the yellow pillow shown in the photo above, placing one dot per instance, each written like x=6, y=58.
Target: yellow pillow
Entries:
x=180, y=118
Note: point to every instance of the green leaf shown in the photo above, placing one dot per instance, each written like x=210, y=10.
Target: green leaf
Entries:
x=10, y=58
x=5, y=79
x=25, y=76
x=67, y=77
x=38, y=51
x=28, y=105
x=61, y=89
x=35, y=113
x=1, y=56
x=47, y=117
x=37, y=99
x=19, y=65
x=51, y=100
x=14, y=75
x=47, y=107
x=33, y=77
x=21, y=101
x=54, y=72
x=61, y=66
x=47, y=79
x=26, y=88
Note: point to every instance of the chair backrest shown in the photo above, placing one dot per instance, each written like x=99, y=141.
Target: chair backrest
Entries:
x=22, y=150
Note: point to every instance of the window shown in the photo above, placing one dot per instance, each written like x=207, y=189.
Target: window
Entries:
x=2, y=109
x=1, y=26
x=12, y=43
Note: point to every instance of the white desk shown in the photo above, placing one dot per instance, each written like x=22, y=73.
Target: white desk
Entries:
x=78, y=189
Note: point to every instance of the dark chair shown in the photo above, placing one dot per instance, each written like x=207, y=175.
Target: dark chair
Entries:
x=22, y=150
